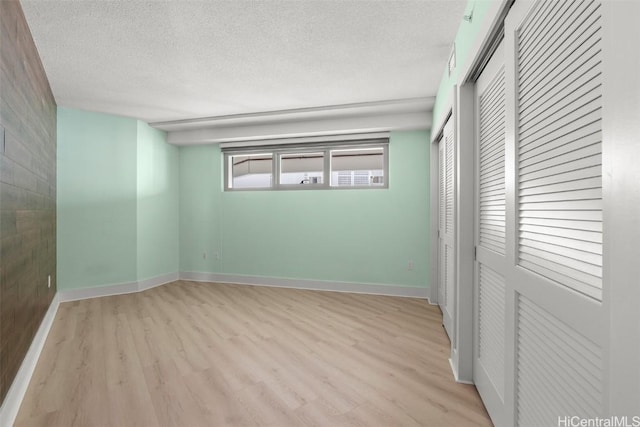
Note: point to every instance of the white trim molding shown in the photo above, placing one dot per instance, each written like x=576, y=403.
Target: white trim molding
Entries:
x=98, y=291
x=317, y=285
x=345, y=138
x=116, y=289
x=278, y=282
x=13, y=399
x=454, y=370
x=153, y=282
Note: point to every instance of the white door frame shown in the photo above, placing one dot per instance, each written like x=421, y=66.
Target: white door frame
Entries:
x=462, y=348
x=621, y=194
x=434, y=212
x=462, y=109
x=462, y=115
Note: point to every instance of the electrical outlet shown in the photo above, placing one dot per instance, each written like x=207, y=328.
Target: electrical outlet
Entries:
x=410, y=265
x=49, y=282
x=204, y=255
x=216, y=255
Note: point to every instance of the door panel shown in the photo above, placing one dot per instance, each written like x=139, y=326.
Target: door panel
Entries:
x=490, y=240
x=446, y=282
x=554, y=212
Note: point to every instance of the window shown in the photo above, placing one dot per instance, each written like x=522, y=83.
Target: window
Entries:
x=302, y=168
x=357, y=167
x=250, y=171
x=329, y=165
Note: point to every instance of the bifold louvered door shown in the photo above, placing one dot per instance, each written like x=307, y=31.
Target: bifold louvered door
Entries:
x=489, y=290
x=446, y=255
x=554, y=212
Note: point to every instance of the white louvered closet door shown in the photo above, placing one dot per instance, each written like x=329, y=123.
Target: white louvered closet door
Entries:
x=489, y=290
x=446, y=297
x=554, y=211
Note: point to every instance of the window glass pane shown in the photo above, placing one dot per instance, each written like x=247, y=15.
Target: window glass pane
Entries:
x=357, y=167
x=251, y=171
x=301, y=168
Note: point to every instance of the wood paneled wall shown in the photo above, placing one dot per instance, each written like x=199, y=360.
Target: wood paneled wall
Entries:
x=27, y=191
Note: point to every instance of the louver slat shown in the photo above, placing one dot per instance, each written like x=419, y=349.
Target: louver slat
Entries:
x=595, y=182
x=538, y=25
x=491, y=302
x=582, y=215
x=557, y=49
x=552, y=248
x=442, y=179
x=578, y=233
x=579, y=194
x=449, y=159
x=492, y=165
x=575, y=175
x=559, y=371
x=559, y=103
x=562, y=223
x=577, y=84
x=448, y=280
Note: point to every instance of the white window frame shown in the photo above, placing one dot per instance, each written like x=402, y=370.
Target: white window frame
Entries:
x=278, y=151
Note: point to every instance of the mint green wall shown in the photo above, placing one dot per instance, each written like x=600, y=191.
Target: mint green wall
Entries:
x=157, y=203
x=200, y=208
x=96, y=217
x=365, y=236
x=131, y=207
x=117, y=218
x=466, y=36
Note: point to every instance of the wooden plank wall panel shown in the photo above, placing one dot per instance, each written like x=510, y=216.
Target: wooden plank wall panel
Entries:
x=27, y=191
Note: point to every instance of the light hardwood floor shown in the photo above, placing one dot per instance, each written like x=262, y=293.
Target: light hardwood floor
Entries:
x=201, y=354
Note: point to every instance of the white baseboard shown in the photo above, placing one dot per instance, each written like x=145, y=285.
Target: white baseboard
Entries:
x=98, y=291
x=13, y=399
x=454, y=370
x=145, y=284
x=318, y=285
x=116, y=289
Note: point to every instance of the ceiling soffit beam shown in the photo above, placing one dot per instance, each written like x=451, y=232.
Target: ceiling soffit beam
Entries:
x=406, y=105
x=405, y=114
x=301, y=128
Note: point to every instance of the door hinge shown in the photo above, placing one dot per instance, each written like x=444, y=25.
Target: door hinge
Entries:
x=475, y=253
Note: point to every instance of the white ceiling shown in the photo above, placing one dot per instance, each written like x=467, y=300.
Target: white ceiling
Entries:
x=175, y=60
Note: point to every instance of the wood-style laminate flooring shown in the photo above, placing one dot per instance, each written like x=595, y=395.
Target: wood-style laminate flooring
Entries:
x=201, y=354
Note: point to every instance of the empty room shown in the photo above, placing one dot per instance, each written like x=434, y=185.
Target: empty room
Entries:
x=319, y=213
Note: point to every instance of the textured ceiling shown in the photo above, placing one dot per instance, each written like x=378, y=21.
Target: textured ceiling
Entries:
x=172, y=60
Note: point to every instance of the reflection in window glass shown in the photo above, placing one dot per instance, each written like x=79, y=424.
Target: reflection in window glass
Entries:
x=348, y=165
x=357, y=167
x=251, y=171
x=302, y=168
